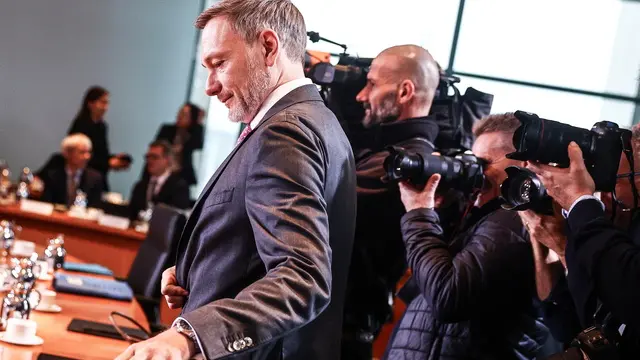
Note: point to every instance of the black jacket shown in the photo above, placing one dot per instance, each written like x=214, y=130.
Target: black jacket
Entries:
x=54, y=177
x=378, y=260
x=266, y=250
x=476, y=293
x=194, y=141
x=174, y=192
x=604, y=264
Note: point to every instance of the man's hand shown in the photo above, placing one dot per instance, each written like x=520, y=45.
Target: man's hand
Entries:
x=546, y=230
x=174, y=294
x=170, y=345
x=566, y=185
x=414, y=198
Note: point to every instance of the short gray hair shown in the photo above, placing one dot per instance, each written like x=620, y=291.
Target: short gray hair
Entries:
x=74, y=140
x=250, y=17
x=505, y=123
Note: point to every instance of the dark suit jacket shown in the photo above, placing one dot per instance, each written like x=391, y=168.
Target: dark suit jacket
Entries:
x=604, y=265
x=193, y=142
x=174, y=192
x=266, y=250
x=54, y=178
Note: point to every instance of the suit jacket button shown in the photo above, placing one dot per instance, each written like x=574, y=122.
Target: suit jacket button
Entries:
x=230, y=348
x=248, y=341
x=239, y=345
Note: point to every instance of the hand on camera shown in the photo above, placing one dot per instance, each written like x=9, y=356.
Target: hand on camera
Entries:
x=415, y=198
x=566, y=185
x=174, y=294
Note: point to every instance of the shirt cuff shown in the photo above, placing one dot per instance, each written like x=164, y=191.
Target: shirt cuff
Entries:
x=199, y=348
x=566, y=213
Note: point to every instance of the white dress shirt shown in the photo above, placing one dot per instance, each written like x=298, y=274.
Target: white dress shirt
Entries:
x=275, y=96
x=160, y=180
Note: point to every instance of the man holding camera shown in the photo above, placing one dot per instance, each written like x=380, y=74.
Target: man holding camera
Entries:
x=476, y=289
x=602, y=258
x=401, y=85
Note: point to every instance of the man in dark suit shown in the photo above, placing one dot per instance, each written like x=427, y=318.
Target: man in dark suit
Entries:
x=69, y=174
x=160, y=184
x=262, y=263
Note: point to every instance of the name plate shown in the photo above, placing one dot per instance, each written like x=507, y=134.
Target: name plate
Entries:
x=37, y=207
x=114, y=221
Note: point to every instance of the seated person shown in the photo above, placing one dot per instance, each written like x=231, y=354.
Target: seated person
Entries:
x=161, y=184
x=67, y=173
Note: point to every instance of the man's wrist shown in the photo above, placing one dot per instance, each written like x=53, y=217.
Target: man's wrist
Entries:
x=183, y=328
x=567, y=212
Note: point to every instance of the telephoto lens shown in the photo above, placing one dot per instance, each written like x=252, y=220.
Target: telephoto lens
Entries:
x=522, y=190
x=463, y=172
x=547, y=141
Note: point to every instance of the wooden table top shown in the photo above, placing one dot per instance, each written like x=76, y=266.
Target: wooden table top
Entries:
x=61, y=218
x=52, y=327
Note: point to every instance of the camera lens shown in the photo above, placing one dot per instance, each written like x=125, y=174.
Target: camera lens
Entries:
x=525, y=190
x=463, y=172
x=522, y=190
x=546, y=141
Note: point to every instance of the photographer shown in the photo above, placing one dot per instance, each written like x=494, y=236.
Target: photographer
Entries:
x=397, y=98
x=603, y=261
x=476, y=289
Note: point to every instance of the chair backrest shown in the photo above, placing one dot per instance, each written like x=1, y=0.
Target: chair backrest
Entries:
x=157, y=251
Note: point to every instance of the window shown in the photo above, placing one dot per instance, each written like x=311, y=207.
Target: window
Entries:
x=368, y=27
x=576, y=44
x=574, y=109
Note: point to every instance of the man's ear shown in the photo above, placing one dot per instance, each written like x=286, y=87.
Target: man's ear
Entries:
x=406, y=91
x=269, y=45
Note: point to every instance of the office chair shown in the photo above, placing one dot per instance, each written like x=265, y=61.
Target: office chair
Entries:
x=157, y=253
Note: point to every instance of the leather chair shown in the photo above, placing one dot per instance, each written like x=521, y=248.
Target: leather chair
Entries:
x=157, y=253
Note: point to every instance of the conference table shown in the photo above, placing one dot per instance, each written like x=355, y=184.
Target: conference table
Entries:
x=58, y=341
x=91, y=242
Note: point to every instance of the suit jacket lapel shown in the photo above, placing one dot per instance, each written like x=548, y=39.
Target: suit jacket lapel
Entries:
x=301, y=94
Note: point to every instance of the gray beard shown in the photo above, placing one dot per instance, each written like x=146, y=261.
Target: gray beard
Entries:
x=256, y=91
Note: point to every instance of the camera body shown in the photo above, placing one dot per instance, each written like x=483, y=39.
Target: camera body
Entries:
x=463, y=172
x=546, y=141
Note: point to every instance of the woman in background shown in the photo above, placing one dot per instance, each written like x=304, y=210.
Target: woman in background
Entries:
x=90, y=121
x=186, y=136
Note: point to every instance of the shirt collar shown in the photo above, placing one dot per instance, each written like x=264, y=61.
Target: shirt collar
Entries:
x=162, y=178
x=275, y=96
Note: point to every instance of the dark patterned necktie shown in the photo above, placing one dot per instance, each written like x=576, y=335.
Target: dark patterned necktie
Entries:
x=244, y=134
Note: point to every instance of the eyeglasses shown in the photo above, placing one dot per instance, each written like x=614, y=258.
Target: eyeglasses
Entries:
x=129, y=334
x=152, y=157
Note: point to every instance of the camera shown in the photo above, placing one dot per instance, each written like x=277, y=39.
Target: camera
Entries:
x=463, y=172
x=522, y=190
x=593, y=342
x=546, y=141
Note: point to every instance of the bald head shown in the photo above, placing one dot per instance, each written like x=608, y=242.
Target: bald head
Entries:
x=402, y=82
x=410, y=62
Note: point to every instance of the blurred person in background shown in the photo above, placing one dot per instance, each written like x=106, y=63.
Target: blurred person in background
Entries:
x=185, y=136
x=162, y=185
x=70, y=174
x=90, y=121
